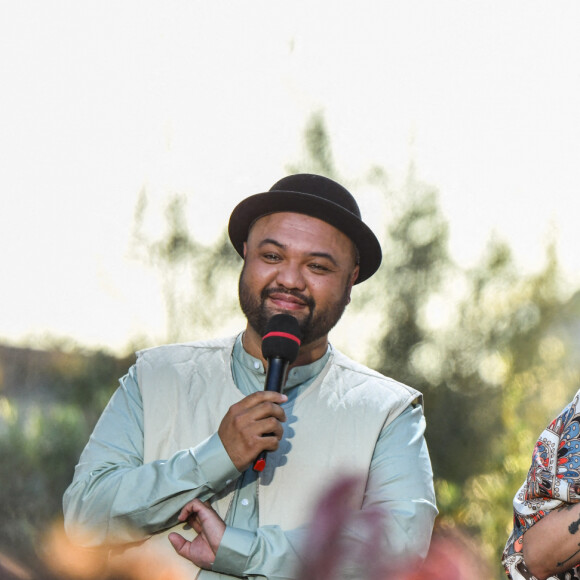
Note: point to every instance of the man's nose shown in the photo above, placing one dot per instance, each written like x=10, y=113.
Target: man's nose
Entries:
x=290, y=276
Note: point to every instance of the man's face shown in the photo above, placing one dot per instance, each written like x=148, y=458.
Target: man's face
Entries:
x=298, y=265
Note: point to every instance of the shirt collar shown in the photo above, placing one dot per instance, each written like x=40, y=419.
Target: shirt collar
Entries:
x=296, y=376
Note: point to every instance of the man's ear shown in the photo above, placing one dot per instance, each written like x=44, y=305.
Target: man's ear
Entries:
x=352, y=280
x=354, y=275
x=245, y=249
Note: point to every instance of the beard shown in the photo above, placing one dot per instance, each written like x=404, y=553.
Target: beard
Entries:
x=316, y=324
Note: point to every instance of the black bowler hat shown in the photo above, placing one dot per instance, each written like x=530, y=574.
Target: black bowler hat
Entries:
x=315, y=196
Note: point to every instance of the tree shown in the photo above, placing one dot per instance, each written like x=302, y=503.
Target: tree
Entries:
x=198, y=281
x=40, y=442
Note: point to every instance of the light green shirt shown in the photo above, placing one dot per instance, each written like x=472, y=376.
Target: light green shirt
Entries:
x=115, y=492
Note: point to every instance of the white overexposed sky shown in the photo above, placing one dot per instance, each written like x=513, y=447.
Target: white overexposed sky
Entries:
x=100, y=99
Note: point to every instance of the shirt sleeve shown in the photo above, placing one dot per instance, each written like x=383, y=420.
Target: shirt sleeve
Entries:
x=268, y=553
x=116, y=498
x=400, y=484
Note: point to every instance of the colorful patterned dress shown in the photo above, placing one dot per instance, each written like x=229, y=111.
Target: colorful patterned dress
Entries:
x=553, y=480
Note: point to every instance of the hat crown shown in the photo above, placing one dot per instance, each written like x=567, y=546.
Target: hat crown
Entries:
x=321, y=187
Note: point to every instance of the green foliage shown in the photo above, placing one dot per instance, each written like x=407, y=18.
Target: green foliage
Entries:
x=41, y=440
x=493, y=367
x=37, y=454
x=510, y=366
x=190, y=272
x=84, y=380
x=318, y=152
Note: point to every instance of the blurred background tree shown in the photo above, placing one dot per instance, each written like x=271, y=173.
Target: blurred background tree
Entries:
x=492, y=350
x=190, y=271
x=49, y=403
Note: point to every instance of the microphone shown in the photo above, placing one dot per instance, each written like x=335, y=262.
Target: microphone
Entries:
x=280, y=346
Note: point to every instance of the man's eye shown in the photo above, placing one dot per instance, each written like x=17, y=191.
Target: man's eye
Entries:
x=318, y=268
x=271, y=257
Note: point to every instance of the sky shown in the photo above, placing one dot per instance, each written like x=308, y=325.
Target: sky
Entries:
x=101, y=100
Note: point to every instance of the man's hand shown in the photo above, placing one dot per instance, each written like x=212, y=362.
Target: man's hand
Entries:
x=210, y=529
x=251, y=426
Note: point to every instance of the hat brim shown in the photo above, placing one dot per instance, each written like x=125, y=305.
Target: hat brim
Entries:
x=261, y=204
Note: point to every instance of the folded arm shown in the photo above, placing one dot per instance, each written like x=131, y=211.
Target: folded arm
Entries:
x=552, y=545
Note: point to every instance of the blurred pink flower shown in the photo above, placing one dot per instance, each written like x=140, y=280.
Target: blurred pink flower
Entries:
x=331, y=553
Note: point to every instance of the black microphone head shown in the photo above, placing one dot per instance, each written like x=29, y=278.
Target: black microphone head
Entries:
x=282, y=338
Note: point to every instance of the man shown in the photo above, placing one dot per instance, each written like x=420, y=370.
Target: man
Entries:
x=177, y=441
x=545, y=540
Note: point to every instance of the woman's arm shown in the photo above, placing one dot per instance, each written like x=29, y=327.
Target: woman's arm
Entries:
x=552, y=545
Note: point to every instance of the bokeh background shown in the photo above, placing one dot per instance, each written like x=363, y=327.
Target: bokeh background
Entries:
x=130, y=129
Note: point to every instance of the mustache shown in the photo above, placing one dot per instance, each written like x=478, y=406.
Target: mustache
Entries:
x=303, y=298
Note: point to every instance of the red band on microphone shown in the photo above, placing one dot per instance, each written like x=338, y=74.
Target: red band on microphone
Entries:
x=260, y=464
x=283, y=335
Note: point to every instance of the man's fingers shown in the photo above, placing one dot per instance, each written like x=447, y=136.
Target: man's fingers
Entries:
x=262, y=396
x=251, y=426
x=269, y=409
x=198, y=551
x=210, y=529
x=195, y=524
x=184, y=514
x=189, y=509
x=179, y=543
x=241, y=414
x=194, y=512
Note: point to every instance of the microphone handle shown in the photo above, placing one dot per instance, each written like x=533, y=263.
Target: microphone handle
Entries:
x=275, y=379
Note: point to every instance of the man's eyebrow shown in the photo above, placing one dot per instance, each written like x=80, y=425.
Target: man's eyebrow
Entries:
x=267, y=241
x=325, y=255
